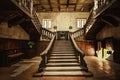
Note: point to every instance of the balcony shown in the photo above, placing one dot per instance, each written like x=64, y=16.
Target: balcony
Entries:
x=107, y=12
x=103, y=5
x=11, y=9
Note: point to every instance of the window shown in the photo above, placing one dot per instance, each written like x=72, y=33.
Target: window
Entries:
x=81, y=23
x=46, y=23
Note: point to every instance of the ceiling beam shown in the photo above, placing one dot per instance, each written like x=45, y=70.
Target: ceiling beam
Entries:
x=68, y=3
x=58, y=1
x=43, y=8
x=76, y=5
x=50, y=5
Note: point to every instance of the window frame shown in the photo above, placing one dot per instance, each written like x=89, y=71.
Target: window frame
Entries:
x=47, y=23
x=81, y=22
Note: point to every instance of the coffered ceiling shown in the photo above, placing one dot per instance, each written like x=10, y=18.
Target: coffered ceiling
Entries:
x=63, y=5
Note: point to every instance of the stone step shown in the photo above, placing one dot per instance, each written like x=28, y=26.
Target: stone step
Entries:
x=64, y=52
x=62, y=60
x=63, y=64
x=62, y=68
x=67, y=73
x=65, y=49
x=58, y=54
x=57, y=57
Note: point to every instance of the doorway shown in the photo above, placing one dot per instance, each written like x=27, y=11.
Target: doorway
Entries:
x=62, y=35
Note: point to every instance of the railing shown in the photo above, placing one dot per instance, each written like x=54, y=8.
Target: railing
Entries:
x=78, y=33
x=45, y=55
x=102, y=6
x=26, y=4
x=79, y=53
x=36, y=22
x=47, y=33
x=90, y=22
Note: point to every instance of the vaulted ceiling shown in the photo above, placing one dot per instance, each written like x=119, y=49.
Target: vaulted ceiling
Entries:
x=63, y=5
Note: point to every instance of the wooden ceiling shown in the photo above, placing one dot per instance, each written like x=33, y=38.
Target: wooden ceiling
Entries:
x=63, y=5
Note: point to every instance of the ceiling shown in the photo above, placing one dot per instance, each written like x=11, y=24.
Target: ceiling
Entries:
x=63, y=5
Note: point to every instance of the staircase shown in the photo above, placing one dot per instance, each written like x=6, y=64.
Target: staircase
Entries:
x=63, y=62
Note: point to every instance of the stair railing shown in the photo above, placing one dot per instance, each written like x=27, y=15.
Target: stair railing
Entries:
x=46, y=53
x=47, y=33
x=36, y=21
x=79, y=53
x=27, y=4
x=78, y=33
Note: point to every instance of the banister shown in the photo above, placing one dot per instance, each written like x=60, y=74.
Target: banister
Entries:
x=47, y=33
x=36, y=22
x=75, y=45
x=24, y=8
x=103, y=6
x=78, y=33
x=45, y=55
x=79, y=54
x=49, y=46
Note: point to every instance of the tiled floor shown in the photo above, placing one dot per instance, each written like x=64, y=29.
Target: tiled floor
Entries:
x=102, y=70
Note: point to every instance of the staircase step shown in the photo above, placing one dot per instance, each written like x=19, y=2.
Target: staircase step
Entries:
x=62, y=54
x=57, y=60
x=60, y=57
x=62, y=51
x=67, y=73
x=63, y=68
x=62, y=64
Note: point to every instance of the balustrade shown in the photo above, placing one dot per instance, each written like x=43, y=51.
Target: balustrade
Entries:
x=45, y=54
x=28, y=4
x=99, y=7
x=78, y=52
x=47, y=33
x=36, y=21
x=78, y=33
x=102, y=5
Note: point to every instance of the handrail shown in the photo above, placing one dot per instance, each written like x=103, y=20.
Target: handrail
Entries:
x=79, y=54
x=49, y=46
x=45, y=55
x=27, y=10
x=36, y=22
x=78, y=33
x=75, y=45
x=47, y=33
x=26, y=4
x=103, y=6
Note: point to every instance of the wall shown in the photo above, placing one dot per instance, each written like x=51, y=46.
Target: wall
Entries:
x=41, y=46
x=14, y=32
x=87, y=47
x=109, y=31
x=63, y=19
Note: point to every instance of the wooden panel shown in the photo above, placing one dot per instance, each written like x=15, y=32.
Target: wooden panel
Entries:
x=63, y=1
x=87, y=47
x=41, y=46
x=44, y=2
x=72, y=1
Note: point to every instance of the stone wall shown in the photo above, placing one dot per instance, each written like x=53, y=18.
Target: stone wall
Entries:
x=63, y=19
x=14, y=32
